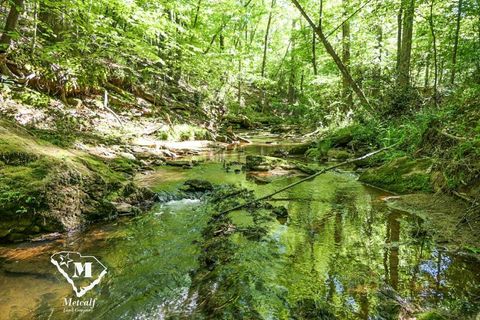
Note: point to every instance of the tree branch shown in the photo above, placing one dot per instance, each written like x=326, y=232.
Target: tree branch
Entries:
x=368, y=155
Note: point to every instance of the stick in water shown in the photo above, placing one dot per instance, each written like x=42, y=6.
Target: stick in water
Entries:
x=305, y=179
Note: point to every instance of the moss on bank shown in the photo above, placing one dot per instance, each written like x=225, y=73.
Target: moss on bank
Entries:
x=402, y=175
x=449, y=136
x=44, y=188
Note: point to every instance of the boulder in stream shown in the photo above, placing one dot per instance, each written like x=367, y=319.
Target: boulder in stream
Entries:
x=263, y=163
x=197, y=185
x=339, y=154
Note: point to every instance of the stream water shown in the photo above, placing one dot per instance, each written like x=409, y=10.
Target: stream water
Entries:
x=341, y=254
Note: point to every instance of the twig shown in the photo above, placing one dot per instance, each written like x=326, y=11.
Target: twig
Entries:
x=349, y=17
x=465, y=198
x=451, y=136
x=304, y=179
x=105, y=106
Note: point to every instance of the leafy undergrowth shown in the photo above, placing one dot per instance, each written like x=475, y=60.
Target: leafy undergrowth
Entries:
x=449, y=136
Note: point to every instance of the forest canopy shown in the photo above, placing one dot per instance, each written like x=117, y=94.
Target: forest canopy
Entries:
x=251, y=53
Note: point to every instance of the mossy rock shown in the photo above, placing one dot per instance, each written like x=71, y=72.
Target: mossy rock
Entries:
x=239, y=121
x=301, y=149
x=320, y=150
x=341, y=137
x=339, y=154
x=44, y=188
x=263, y=163
x=402, y=175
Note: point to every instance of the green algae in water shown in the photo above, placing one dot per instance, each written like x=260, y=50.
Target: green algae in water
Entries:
x=342, y=254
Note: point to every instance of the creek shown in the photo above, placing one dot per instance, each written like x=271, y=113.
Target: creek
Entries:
x=342, y=253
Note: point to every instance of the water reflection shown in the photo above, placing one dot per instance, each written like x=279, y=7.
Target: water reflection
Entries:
x=340, y=254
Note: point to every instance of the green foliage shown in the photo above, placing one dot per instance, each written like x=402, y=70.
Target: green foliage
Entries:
x=431, y=315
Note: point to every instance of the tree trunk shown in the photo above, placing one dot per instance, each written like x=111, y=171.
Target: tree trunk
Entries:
x=399, y=34
x=335, y=57
x=6, y=38
x=441, y=72
x=35, y=23
x=197, y=11
x=378, y=63
x=346, y=90
x=314, y=53
x=221, y=42
x=406, y=51
x=426, y=78
x=291, y=80
x=477, y=63
x=455, y=44
x=239, y=85
x=265, y=43
x=435, y=62
x=10, y=25
x=314, y=42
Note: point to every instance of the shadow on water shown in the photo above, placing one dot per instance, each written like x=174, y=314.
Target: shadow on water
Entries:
x=341, y=254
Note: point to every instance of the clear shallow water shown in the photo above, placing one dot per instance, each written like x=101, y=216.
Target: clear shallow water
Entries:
x=340, y=253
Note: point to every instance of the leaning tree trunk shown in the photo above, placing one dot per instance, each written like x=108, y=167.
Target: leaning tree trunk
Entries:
x=335, y=57
x=8, y=30
x=455, y=44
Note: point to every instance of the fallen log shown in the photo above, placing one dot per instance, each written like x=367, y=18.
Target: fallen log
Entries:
x=368, y=155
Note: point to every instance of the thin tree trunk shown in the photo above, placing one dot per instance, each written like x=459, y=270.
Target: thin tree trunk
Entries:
x=441, y=72
x=222, y=41
x=35, y=22
x=314, y=54
x=265, y=43
x=477, y=77
x=314, y=41
x=197, y=11
x=378, y=66
x=435, y=63
x=406, y=51
x=239, y=88
x=346, y=90
x=399, y=34
x=291, y=81
x=212, y=41
x=302, y=81
x=426, y=78
x=455, y=44
x=334, y=55
x=283, y=60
